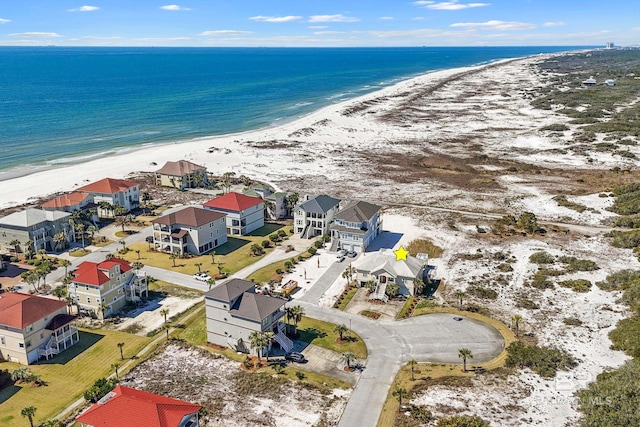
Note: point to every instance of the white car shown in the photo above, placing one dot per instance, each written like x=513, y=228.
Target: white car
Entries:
x=203, y=277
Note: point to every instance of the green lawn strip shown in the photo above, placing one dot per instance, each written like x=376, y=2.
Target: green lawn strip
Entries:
x=266, y=273
x=291, y=371
x=406, y=308
x=167, y=288
x=68, y=375
x=347, y=299
x=320, y=333
x=79, y=252
x=234, y=255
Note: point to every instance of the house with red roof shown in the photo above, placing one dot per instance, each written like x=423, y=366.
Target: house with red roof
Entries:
x=111, y=192
x=244, y=213
x=32, y=327
x=104, y=288
x=128, y=407
x=69, y=202
x=189, y=230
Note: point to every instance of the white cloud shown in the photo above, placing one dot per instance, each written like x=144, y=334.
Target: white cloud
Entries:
x=85, y=9
x=324, y=33
x=317, y=27
x=4, y=21
x=418, y=18
x=332, y=18
x=553, y=24
x=635, y=29
x=495, y=25
x=35, y=34
x=448, y=5
x=289, y=18
x=174, y=7
x=224, y=33
x=387, y=18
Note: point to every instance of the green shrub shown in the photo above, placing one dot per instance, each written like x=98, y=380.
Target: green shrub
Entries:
x=540, y=281
x=628, y=221
x=542, y=257
x=626, y=240
x=505, y=268
x=575, y=264
x=312, y=251
x=462, y=421
x=318, y=244
x=626, y=336
x=612, y=400
x=484, y=293
x=556, y=127
x=572, y=321
x=527, y=304
x=543, y=360
x=619, y=280
x=578, y=285
x=562, y=201
x=14, y=259
x=99, y=389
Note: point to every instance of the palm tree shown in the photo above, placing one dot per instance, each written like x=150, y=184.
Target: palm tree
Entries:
x=211, y=282
x=80, y=229
x=66, y=264
x=516, y=319
x=173, y=257
x=121, y=346
x=418, y=287
x=399, y=393
x=198, y=264
x=43, y=254
x=164, y=312
x=42, y=270
x=213, y=256
x=220, y=264
x=340, y=330
x=464, y=354
x=298, y=312
x=292, y=201
x=123, y=220
x=59, y=239
x=166, y=328
x=31, y=278
x=60, y=292
x=348, y=273
x=115, y=367
x=28, y=248
x=269, y=337
x=412, y=364
x=288, y=315
x=106, y=207
x=92, y=229
x=138, y=253
x=459, y=296
x=104, y=307
x=348, y=358
x=29, y=412
x=119, y=210
x=16, y=245
x=124, y=245
x=257, y=341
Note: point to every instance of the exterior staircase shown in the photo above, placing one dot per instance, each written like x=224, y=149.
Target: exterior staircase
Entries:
x=379, y=293
x=48, y=350
x=334, y=246
x=283, y=341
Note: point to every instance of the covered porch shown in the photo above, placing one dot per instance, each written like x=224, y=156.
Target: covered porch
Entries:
x=64, y=334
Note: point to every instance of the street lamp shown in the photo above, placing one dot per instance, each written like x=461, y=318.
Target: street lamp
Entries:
x=349, y=326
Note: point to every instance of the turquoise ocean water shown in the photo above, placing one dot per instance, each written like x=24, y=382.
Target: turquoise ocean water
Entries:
x=62, y=105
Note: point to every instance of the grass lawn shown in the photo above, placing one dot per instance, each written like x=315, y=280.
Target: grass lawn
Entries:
x=347, y=299
x=166, y=288
x=67, y=375
x=234, y=255
x=79, y=252
x=321, y=333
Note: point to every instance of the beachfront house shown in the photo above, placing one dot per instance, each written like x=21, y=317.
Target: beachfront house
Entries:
x=234, y=310
x=182, y=174
x=128, y=407
x=312, y=217
x=355, y=226
x=108, y=193
x=104, y=288
x=32, y=327
x=384, y=267
x=33, y=225
x=69, y=202
x=276, y=205
x=244, y=214
x=189, y=230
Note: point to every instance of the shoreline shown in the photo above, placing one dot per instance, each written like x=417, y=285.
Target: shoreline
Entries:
x=20, y=188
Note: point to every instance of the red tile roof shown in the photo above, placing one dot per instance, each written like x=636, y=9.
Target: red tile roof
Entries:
x=108, y=186
x=66, y=200
x=129, y=407
x=91, y=273
x=233, y=202
x=20, y=310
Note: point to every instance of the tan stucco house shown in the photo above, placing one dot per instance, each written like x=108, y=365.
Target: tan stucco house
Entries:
x=181, y=174
x=189, y=230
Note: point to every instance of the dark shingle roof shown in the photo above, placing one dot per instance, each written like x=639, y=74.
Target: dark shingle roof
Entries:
x=256, y=307
x=357, y=211
x=319, y=204
x=229, y=290
x=194, y=217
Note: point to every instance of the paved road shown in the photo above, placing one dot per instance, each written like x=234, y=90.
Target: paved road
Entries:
x=325, y=281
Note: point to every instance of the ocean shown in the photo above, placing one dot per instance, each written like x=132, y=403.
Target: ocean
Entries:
x=63, y=105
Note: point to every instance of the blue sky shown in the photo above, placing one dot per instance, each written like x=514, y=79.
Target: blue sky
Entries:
x=319, y=22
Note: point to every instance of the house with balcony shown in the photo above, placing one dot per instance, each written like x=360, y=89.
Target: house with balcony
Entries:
x=69, y=202
x=355, y=226
x=244, y=214
x=312, y=217
x=234, y=310
x=32, y=327
x=181, y=174
x=190, y=230
x=129, y=407
x=384, y=267
x=35, y=225
x=111, y=282
x=113, y=192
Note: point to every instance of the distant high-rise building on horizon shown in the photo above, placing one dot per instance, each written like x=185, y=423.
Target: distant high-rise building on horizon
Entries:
x=609, y=45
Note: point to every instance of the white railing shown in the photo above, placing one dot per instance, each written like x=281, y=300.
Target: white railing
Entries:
x=284, y=341
x=380, y=293
x=59, y=338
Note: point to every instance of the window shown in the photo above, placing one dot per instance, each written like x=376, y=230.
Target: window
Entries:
x=88, y=300
x=21, y=345
x=3, y=340
x=28, y=344
x=115, y=298
x=41, y=336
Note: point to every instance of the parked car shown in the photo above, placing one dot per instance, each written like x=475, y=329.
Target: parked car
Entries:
x=295, y=357
x=149, y=239
x=352, y=254
x=203, y=277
